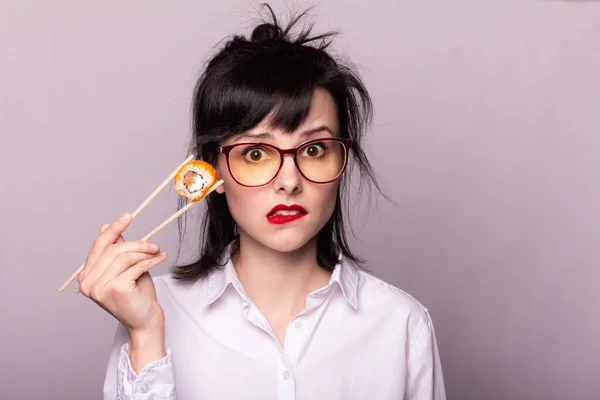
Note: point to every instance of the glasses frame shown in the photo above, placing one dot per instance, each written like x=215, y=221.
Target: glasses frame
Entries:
x=347, y=143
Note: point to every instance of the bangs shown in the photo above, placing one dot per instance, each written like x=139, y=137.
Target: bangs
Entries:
x=275, y=81
x=272, y=76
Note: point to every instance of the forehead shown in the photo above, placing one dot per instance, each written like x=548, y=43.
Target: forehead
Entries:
x=322, y=113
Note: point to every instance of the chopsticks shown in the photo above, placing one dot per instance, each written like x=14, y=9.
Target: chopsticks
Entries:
x=144, y=204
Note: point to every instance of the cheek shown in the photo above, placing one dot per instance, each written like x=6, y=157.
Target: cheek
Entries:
x=245, y=204
x=327, y=195
x=248, y=206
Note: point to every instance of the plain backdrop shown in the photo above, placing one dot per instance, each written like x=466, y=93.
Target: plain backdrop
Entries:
x=486, y=137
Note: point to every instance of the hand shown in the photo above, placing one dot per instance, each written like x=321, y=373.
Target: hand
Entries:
x=115, y=276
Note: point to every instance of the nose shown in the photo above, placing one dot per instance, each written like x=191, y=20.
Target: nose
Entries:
x=289, y=179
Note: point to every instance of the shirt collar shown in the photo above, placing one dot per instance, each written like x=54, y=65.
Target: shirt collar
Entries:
x=345, y=275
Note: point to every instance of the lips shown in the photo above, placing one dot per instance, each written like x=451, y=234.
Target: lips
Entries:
x=281, y=213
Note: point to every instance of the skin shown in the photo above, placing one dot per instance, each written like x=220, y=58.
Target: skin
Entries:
x=115, y=276
x=276, y=264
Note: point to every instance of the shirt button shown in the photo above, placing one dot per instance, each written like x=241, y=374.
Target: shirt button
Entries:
x=286, y=375
x=144, y=387
x=298, y=324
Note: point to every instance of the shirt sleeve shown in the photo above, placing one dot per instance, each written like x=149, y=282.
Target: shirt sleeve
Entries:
x=155, y=381
x=425, y=379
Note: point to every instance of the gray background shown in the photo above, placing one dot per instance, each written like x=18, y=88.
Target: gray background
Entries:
x=485, y=136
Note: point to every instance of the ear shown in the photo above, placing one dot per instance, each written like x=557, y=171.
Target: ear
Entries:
x=221, y=188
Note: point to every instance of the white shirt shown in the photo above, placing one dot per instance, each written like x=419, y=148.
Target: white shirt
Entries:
x=358, y=338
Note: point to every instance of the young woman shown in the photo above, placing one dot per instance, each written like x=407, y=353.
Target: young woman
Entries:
x=276, y=306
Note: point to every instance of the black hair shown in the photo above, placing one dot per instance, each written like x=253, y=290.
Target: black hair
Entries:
x=248, y=78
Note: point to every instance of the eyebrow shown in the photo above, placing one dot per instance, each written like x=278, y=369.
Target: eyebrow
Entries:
x=269, y=136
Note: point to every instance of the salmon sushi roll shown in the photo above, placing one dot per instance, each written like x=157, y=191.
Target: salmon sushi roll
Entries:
x=194, y=179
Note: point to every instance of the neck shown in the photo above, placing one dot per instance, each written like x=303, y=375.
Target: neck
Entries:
x=278, y=282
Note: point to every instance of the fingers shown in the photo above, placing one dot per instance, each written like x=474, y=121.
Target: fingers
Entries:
x=103, y=227
x=121, y=264
x=124, y=282
x=85, y=271
x=108, y=236
x=116, y=258
x=133, y=273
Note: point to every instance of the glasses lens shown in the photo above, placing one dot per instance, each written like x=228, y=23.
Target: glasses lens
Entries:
x=322, y=161
x=253, y=164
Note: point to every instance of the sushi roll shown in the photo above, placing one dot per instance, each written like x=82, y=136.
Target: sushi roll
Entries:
x=194, y=179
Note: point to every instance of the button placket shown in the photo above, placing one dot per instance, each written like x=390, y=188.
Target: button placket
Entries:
x=144, y=387
x=293, y=340
x=286, y=385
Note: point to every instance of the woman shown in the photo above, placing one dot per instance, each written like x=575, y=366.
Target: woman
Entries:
x=276, y=306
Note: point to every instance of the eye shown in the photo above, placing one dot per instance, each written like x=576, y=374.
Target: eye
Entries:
x=314, y=150
x=255, y=154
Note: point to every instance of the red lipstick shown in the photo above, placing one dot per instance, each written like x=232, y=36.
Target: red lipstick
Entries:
x=282, y=218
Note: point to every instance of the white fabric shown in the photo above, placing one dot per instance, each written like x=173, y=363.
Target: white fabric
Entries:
x=358, y=338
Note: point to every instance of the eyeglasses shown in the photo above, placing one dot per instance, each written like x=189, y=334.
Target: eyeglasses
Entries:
x=257, y=164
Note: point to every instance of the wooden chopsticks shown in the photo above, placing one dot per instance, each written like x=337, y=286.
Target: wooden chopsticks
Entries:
x=144, y=204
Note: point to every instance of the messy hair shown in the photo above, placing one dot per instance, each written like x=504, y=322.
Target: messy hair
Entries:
x=273, y=72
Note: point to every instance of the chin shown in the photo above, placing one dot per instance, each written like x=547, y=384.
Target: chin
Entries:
x=285, y=246
x=285, y=242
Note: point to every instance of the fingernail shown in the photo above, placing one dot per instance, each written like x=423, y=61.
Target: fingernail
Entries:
x=153, y=247
x=163, y=254
x=125, y=217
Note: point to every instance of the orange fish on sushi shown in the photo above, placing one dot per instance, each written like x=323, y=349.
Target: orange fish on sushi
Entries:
x=194, y=179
